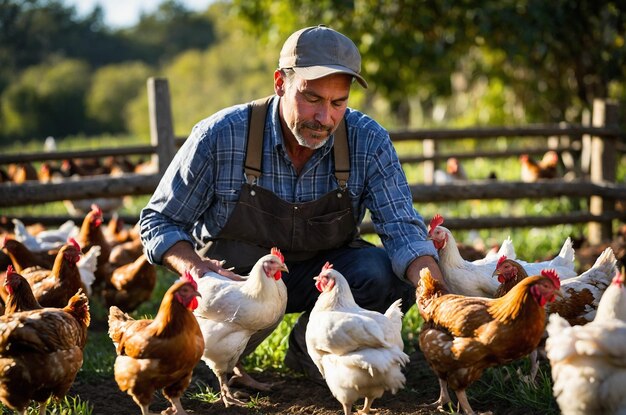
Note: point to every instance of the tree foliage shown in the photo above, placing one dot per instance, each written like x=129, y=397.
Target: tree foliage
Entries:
x=170, y=30
x=112, y=88
x=557, y=56
x=47, y=99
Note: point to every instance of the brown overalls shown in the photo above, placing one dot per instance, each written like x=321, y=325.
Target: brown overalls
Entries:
x=262, y=220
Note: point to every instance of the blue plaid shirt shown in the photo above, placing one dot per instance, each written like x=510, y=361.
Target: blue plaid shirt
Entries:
x=201, y=186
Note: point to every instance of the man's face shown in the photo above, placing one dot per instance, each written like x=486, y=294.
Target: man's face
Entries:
x=313, y=109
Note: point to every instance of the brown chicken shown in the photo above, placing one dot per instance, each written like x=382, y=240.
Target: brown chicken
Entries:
x=20, y=295
x=41, y=352
x=130, y=285
x=462, y=336
x=581, y=294
x=532, y=170
x=116, y=232
x=91, y=234
x=22, y=172
x=126, y=253
x=159, y=353
x=23, y=258
x=54, y=288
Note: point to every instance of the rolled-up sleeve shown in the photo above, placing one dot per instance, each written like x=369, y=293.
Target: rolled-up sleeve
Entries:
x=183, y=194
x=389, y=199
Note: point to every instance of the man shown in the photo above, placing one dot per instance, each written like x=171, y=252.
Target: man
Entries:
x=299, y=180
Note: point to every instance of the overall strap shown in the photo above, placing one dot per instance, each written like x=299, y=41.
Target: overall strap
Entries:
x=254, y=147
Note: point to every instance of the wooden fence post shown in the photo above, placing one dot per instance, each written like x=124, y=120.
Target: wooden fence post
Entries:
x=161, y=124
x=585, y=154
x=603, y=167
x=429, y=149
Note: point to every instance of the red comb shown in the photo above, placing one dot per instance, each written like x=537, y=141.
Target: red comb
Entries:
x=276, y=251
x=551, y=273
x=501, y=260
x=186, y=277
x=327, y=265
x=96, y=209
x=10, y=270
x=73, y=242
x=434, y=222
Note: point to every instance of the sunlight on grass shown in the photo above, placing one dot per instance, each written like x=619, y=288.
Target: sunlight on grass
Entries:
x=70, y=405
x=202, y=392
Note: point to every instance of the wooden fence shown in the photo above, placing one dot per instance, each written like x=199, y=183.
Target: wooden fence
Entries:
x=598, y=145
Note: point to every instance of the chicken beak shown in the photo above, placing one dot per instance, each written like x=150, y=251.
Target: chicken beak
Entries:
x=197, y=294
x=558, y=293
x=495, y=274
x=283, y=267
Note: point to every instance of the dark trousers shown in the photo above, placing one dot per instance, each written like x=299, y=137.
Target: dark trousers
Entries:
x=369, y=274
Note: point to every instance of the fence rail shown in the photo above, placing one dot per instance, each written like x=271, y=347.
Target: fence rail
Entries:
x=597, y=144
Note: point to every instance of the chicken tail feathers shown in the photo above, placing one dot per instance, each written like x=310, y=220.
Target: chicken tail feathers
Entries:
x=565, y=257
x=118, y=320
x=394, y=312
x=78, y=306
x=606, y=263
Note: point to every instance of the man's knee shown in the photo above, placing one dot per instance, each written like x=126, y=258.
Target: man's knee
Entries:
x=372, y=280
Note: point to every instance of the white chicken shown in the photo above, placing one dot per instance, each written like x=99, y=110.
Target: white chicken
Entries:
x=589, y=362
x=230, y=312
x=45, y=240
x=87, y=266
x=357, y=351
x=475, y=279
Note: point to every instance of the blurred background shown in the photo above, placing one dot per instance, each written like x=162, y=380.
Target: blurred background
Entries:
x=65, y=70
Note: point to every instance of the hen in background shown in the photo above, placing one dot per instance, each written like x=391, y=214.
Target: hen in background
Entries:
x=46, y=239
x=130, y=285
x=462, y=336
x=20, y=295
x=589, y=362
x=21, y=172
x=454, y=172
x=54, y=287
x=91, y=234
x=581, y=294
x=116, y=231
x=532, y=171
x=41, y=352
x=160, y=353
x=357, y=351
x=23, y=258
x=230, y=312
x=475, y=278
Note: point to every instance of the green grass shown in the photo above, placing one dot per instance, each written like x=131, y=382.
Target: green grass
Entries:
x=70, y=405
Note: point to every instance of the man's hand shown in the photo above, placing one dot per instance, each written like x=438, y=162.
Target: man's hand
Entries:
x=182, y=257
x=413, y=271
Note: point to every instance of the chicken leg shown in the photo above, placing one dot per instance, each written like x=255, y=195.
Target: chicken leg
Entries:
x=462, y=397
x=241, y=377
x=444, y=397
x=367, y=407
x=175, y=409
x=227, y=397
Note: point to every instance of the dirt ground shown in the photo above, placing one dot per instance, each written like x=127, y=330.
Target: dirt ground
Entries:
x=297, y=396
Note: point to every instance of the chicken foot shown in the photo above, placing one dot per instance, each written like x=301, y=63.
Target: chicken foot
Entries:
x=241, y=377
x=227, y=396
x=444, y=397
x=175, y=409
x=367, y=408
